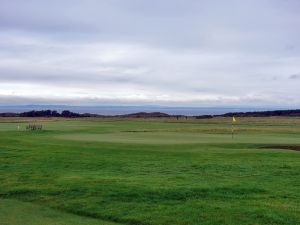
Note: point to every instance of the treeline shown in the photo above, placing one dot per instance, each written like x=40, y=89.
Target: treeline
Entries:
x=47, y=113
x=295, y=112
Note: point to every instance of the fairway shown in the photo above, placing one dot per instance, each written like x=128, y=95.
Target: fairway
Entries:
x=150, y=172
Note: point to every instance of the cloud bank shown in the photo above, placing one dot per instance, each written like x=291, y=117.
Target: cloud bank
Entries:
x=196, y=53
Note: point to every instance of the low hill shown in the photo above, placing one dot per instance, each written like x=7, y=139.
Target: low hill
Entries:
x=145, y=115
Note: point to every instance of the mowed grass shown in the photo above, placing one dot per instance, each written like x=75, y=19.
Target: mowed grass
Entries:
x=23, y=213
x=160, y=172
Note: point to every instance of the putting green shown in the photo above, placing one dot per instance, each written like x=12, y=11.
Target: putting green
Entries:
x=181, y=138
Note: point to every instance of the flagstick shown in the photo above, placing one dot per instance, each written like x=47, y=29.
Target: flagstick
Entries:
x=232, y=131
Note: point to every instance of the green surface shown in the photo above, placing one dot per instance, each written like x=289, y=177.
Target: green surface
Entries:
x=148, y=172
x=23, y=213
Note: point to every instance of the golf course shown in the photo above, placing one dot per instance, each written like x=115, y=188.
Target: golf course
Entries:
x=160, y=171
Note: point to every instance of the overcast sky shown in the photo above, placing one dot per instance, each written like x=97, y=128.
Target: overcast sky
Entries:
x=164, y=52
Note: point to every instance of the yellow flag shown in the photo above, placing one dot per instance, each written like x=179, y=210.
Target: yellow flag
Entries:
x=233, y=119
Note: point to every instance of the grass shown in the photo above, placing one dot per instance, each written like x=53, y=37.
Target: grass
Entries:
x=150, y=172
x=22, y=213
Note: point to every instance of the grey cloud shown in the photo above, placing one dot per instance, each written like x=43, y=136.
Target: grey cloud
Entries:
x=295, y=76
x=61, y=79
x=194, y=24
x=162, y=51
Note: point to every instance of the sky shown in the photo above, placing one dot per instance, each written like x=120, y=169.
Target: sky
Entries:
x=158, y=52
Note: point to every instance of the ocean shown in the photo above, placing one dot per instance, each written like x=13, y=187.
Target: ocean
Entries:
x=120, y=110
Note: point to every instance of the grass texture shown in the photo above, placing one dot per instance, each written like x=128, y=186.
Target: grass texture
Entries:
x=150, y=172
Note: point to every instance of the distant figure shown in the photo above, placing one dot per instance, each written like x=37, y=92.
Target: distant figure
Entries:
x=18, y=127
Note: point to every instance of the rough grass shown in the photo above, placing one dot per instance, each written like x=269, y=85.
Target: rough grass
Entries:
x=151, y=172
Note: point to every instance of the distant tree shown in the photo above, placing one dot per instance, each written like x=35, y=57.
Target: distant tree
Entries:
x=68, y=114
x=55, y=114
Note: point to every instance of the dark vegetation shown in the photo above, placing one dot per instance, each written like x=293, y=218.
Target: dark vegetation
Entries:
x=295, y=112
x=46, y=113
x=146, y=115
